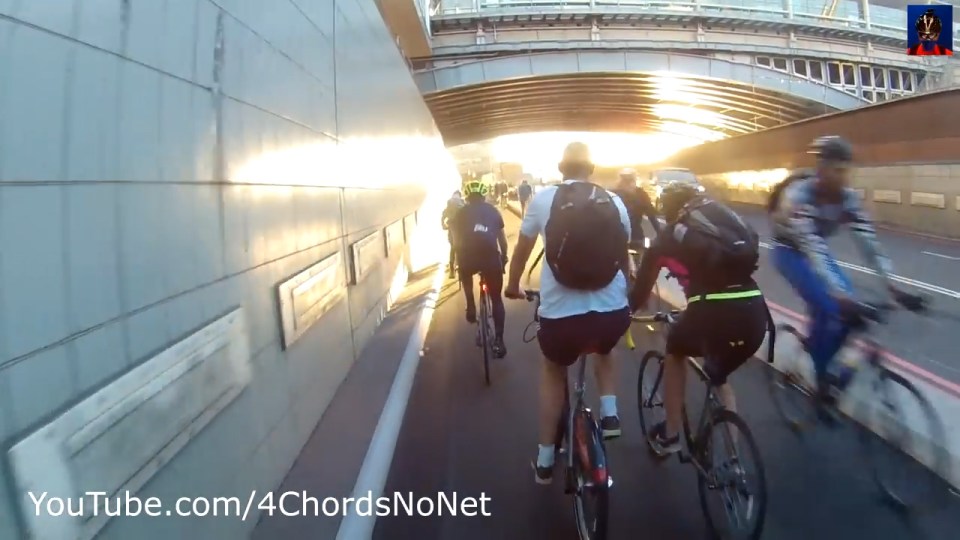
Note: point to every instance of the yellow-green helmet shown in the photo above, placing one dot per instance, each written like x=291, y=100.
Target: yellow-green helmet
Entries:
x=476, y=188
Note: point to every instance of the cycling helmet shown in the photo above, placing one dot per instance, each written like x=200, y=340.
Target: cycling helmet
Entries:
x=928, y=26
x=628, y=173
x=831, y=148
x=675, y=196
x=476, y=188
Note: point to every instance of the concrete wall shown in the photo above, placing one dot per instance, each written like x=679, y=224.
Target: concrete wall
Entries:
x=911, y=145
x=165, y=161
x=917, y=129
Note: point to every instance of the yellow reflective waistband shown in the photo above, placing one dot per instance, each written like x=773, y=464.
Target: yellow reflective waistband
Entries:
x=725, y=296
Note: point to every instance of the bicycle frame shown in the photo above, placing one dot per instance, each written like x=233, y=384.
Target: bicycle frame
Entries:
x=695, y=440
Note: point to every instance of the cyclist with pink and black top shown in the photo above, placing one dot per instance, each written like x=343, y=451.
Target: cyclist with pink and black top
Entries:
x=713, y=253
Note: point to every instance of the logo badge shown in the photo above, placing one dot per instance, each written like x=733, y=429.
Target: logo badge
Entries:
x=930, y=30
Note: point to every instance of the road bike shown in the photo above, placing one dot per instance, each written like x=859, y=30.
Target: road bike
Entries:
x=580, y=442
x=892, y=406
x=744, y=505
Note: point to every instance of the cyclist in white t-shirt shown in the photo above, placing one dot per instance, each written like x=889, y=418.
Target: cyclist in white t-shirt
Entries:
x=574, y=321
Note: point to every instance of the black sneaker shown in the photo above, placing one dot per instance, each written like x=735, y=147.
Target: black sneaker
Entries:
x=472, y=315
x=610, y=425
x=542, y=475
x=499, y=349
x=663, y=445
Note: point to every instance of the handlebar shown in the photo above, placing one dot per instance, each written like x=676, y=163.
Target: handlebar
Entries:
x=532, y=295
x=658, y=317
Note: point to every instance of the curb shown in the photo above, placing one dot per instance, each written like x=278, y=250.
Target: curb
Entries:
x=376, y=464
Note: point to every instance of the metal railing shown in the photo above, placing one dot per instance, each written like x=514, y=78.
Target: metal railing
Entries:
x=847, y=13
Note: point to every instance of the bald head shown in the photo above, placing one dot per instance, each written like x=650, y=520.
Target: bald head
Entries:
x=576, y=163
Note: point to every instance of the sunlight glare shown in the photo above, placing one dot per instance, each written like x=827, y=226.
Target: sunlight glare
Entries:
x=539, y=153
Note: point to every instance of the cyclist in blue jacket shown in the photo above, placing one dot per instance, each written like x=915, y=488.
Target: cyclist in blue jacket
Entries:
x=806, y=209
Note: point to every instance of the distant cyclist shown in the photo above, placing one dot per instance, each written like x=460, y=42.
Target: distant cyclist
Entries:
x=524, y=192
x=713, y=253
x=481, y=248
x=454, y=204
x=806, y=209
x=638, y=206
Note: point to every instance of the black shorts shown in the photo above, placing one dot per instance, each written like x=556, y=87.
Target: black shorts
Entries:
x=564, y=340
x=726, y=333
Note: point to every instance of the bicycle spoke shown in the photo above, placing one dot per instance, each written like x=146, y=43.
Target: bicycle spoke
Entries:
x=650, y=393
x=791, y=379
x=904, y=423
x=735, y=474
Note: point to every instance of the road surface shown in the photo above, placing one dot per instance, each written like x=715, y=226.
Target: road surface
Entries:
x=461, y=436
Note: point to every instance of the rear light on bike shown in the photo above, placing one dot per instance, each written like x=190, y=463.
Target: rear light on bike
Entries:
x=600, y=476
x=483, y=287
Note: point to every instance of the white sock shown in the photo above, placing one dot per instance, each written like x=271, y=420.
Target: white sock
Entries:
x=608, y=406
x=545, y=455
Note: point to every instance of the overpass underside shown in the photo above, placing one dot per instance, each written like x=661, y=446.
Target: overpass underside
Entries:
x=698, y=107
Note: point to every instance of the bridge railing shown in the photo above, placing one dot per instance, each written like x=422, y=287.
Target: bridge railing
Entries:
x=847, y=14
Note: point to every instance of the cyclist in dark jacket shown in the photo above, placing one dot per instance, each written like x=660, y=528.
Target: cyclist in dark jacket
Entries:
x=638, y=205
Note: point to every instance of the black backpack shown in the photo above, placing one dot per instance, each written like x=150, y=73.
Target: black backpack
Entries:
x=777, y=192
x=726, y=250
x=585, y=240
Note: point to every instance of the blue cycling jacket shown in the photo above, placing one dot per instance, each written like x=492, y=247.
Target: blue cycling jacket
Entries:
x=804, y=223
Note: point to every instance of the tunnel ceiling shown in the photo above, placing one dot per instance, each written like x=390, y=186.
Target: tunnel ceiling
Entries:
x=697, y=107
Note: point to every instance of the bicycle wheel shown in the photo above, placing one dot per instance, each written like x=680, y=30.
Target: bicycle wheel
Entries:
x=650, y=394
x=485, y=337
x=592, y=491
x=904, y=422
x=735, y=472
x=791, y=379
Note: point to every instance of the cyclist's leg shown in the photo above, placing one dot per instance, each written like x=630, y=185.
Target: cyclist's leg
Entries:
x=494, y=279
x=841, y=330
x=559, y=350
x=684, y=340
x=825, y=327
x=606, y=329
x=466, y=283
x=736, y=334
x=453, y=254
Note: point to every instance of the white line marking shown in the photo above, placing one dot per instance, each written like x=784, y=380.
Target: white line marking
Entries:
x=900, y=279
x=941, y=255
x=376, y=464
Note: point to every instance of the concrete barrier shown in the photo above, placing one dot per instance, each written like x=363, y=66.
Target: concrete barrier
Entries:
x=858, y=403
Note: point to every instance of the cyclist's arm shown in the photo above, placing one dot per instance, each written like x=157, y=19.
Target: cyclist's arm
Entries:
x=648, y=210
x=530, y=227
x=627, y=225
x=502, y=236
x=802, y=223
x=866, y=237
x=647, y=275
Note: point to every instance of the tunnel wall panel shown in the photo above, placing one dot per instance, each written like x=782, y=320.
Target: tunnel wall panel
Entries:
x=163, y=162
